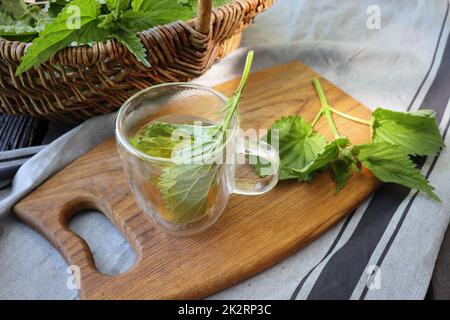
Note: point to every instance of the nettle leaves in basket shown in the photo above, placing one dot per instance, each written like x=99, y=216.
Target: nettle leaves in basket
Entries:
x=396, y=137
x=88, y=21
x=20, y=21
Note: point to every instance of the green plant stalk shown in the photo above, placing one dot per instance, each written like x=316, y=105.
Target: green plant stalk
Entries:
x=329, y=117
x=326, y=109
x=317, y=118
x=235, y=100
x=349, y=117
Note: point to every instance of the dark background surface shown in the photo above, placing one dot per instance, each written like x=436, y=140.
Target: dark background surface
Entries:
x=19, y=132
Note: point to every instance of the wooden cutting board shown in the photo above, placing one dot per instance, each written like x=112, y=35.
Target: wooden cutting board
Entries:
x=253, y=233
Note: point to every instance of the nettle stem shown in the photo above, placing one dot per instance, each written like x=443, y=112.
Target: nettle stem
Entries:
x=232, y=104
x=317, y=118
x=349, y=117
x=326, y=109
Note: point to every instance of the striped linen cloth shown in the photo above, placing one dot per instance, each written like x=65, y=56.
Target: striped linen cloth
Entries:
x=386, y=249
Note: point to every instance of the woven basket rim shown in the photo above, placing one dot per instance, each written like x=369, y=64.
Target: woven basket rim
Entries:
x=17, y=48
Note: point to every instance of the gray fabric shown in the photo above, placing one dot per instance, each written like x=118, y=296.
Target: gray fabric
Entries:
x=383, y=67
x=440, y=284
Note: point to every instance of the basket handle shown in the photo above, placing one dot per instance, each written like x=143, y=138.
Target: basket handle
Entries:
x=204, y=10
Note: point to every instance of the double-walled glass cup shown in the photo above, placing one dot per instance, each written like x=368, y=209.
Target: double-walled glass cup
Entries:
x=186, y=198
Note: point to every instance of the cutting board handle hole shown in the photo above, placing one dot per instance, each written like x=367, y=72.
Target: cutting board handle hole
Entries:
x=112, y=253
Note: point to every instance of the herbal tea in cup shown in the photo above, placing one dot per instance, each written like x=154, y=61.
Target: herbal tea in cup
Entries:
x=179, y=148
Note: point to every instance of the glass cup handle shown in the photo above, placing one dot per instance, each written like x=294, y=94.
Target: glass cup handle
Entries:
x=264, y=184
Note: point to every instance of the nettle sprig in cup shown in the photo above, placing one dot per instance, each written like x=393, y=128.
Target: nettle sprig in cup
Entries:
x=182, y=167
x=189, y=147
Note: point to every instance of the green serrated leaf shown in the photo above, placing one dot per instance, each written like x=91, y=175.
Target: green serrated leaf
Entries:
x=158, y=12
x=117, y=5
x=91, y=33
x=133, y=21
x=184, y=187
x=108, y=22
x=321, y=161
x=155, y=140
x=166, y=140
x=156, y=147
x=416, y=132
x=298, y=144
x=390, y=163
x=56, y=6
x=342, y=169
x=185, y=190
x=134, y=44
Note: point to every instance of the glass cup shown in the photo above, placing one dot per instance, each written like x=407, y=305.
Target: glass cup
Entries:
x=186, y=198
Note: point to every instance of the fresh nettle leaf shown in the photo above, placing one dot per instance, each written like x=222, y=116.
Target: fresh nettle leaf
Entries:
x=333, y=151
x=155, y=146
x=184, y=187
x=56, y=6
x=185, y=190
x=117, y=6
x=133, y=43
x=156, y=12
x=342, y=169
x=127, y=18
x=390, y=163
x=165, y=140
x=416, y=132
x=298, y=144
x=155, y=140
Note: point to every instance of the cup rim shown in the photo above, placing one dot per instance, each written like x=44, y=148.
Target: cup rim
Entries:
x=119, y=129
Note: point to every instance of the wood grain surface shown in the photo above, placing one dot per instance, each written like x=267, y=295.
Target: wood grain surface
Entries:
x=252, y=234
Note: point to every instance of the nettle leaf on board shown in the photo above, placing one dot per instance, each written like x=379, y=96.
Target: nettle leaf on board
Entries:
x=343, y=167
x=298, y=144
x=416, y=133
x=323, y=160
x=390, y=163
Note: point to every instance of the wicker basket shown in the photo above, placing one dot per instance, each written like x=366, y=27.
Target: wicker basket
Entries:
x=80, y=82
